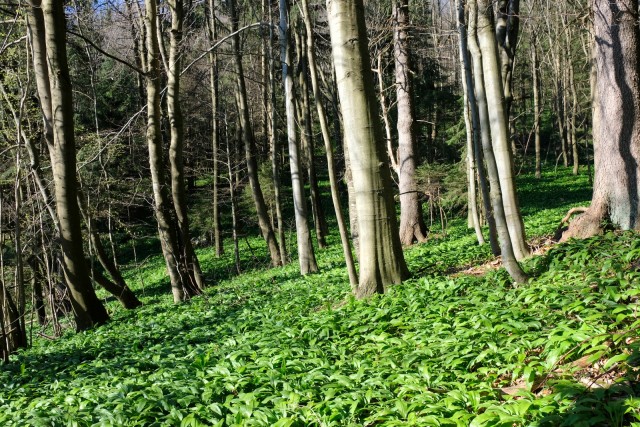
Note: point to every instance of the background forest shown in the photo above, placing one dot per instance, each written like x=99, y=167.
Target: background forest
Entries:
x=201, y=200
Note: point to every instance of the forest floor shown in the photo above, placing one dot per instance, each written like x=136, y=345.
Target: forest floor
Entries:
x=457, y=345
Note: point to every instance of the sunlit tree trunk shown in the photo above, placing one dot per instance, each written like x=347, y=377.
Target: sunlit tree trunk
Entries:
x=616, y=119
x=306, y=256
x=499, y=127
x=535, y=72
x=506, y=249
x=467, y=88
x=381, y=259
x=324, y=127
x=412, y=225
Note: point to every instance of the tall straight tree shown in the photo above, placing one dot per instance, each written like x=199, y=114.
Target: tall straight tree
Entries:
x=324, y=128
x=381, y=260
x=249, y=142
x=306, y=256
x=47, y=25
x=181, y=287
x=187, y=256
x=499, y=126
x=412, y=226
x=482, y=119
x=616, y=120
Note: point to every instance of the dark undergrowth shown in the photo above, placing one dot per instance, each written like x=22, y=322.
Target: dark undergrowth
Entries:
x=449, y=347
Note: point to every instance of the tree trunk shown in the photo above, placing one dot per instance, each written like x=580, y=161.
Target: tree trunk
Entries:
x=212, y=33
x=506, y=249
x=412, y=226
x=616, y=192
x=381, y=259
x=187, y=257
x=467, y=88
x=249, y=143
x=507, y=29
x=535, y=71
x=88, y=309
x=499, y=127
x=304, y=116
x=331, y=168
x=306, y=256
x=180, y=288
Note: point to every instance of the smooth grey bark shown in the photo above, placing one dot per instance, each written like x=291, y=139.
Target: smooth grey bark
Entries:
x=467, y=87
x=324, y=127
x=507, y=31
x=306, y=255
x=616, y=191
x=187, y=257
x=506, y=249
x=48, y=29
x=381, y=260
x=499, y=127
x=249, y=142
x=306, y=138
x=412, y=226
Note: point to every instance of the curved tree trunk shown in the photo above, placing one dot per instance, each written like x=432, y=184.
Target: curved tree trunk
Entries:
x=412, y=226
x=381, y=259
x=616, y=191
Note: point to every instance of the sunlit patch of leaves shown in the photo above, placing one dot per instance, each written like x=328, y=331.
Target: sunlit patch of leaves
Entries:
x=271, y=348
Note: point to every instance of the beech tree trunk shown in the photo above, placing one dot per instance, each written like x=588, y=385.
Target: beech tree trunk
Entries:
x=306, y=255
x=412, y=226
x=381, y=260
x=535, y=71
x=499, y=127
x=506, y=249
x=616, y=191
x=324, y=127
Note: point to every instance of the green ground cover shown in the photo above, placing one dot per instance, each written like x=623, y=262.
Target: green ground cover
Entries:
x=446, y=348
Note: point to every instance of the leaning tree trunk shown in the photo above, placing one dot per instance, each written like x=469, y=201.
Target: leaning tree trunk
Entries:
x=331, y=168
x=381, y=259
x=616, y=190
x=306, y=256
x=499, y=126
x=187, y=257
x=507, y=30
x=87, y=308
x=412, y=225
x=249, y=143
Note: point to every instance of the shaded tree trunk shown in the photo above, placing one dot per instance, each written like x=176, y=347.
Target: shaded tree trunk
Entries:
x=249, y=143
